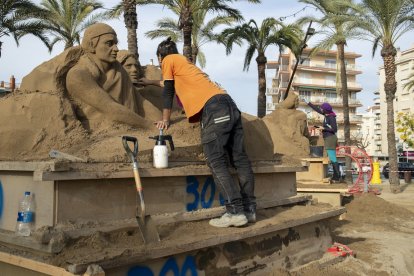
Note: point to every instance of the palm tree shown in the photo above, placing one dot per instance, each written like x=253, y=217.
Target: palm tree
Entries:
x=19, y=18
x=385, y=22
x=66, y=19
x=202, y=32
x=271, y=32
x=337, y=26
x=187, y=8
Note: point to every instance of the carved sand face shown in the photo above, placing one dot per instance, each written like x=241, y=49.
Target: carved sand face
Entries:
x=131, y=66
x=107, y=49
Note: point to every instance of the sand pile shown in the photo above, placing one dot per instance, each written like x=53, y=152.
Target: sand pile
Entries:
x=371, y=209
x=34, y=123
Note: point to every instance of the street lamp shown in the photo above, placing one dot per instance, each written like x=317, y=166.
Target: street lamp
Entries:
x=310, y=31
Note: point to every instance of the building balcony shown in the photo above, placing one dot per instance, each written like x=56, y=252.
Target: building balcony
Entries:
x=309, y=83
x=284, y=68
x=377, y=131
x=274, y=91
x=353, y=119
x=323, y=67
x=377, y=101
x=332, y=101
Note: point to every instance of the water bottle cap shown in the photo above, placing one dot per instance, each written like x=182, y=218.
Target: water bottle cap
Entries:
x=26, y=193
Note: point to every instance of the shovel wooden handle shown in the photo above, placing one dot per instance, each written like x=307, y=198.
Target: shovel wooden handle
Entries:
x=140, y=191
x=138, y=183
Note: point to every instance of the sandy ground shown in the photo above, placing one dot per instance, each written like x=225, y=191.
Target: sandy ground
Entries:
x=380, y=232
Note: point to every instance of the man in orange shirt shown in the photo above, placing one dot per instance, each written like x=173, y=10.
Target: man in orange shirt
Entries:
x=221, y=130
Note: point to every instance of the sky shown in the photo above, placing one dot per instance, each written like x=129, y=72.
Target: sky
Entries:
x=227, y=70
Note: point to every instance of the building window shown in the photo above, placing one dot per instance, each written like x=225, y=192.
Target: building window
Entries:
x=330, y=95
x=330, y=80
x=330, y=63
x=305, y=78
x=305, y=94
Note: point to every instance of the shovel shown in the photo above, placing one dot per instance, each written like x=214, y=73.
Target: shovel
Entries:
x=146, y=224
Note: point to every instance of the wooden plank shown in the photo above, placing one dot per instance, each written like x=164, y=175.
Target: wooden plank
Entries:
x=151, y=172
x=33, y=265
x=181, y=217
x=28, y=242
x=169, y=248
x=33, y=166
x=218, y=211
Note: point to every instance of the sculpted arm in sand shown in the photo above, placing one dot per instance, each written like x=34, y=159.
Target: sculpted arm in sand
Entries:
x=92, y=94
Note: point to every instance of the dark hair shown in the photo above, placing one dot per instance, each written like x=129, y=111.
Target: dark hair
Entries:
x=167, y=47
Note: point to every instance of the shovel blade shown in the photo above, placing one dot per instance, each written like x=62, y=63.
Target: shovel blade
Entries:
x=148, y=229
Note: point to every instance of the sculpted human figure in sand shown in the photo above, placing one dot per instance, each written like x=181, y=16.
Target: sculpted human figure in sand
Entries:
x=98, y=84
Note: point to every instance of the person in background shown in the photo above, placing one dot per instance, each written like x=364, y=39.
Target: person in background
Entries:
x=221, y=130
x=329, y=130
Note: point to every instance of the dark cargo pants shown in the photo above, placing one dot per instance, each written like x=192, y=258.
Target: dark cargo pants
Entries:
x=222, y=139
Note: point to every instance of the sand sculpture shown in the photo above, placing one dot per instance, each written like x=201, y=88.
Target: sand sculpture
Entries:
x=81, y=101
x=153, y=94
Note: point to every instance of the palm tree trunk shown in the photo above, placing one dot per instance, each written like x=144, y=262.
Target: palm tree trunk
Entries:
x=186, y=24
x=194, y=54
x=131, y=24
x=388, y=54
x=345, y=104
x=261, y=98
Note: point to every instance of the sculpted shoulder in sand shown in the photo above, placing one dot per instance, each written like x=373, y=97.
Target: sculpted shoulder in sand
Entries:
x=99, y=85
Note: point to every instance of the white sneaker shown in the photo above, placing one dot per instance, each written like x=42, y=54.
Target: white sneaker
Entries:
x=228, y=220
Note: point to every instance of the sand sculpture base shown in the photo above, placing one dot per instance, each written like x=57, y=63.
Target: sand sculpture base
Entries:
x=85, y=214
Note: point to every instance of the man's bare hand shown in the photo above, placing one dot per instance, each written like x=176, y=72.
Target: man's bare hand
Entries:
x=162, y=124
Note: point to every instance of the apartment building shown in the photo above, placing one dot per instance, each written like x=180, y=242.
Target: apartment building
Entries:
x=316, y=80
x=370, y=133
x=404, y=99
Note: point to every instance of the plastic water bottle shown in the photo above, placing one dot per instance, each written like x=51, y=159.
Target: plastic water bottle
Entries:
x=25, y=216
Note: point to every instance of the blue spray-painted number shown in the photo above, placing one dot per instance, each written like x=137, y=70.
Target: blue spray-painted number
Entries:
x=170, y=267
x=192, y=188
x=204, y=199
x=209, y=183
